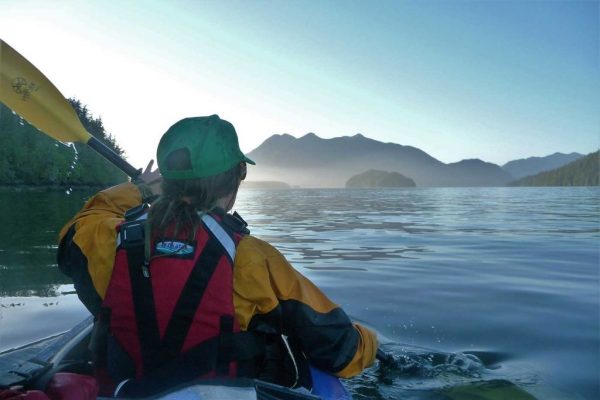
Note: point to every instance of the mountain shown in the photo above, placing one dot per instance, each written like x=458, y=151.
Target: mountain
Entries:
x=379, y=179
x=534, y=165
x=582, y=172
x=311, y=161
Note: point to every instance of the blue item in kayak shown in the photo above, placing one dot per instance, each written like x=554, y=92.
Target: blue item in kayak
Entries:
x=327, y=386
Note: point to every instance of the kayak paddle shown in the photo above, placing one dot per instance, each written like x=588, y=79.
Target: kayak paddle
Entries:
x=25, y=90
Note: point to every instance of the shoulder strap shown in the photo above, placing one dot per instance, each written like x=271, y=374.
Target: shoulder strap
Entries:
x=132, y=240
x=220, y=235
x=136, y=212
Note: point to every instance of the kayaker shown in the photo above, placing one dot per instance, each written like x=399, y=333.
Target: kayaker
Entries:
x=180, y=289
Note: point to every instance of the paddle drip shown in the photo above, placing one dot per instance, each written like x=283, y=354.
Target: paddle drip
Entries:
x=73, y=164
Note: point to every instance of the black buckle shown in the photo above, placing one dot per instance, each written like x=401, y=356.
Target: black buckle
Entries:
x=132, y=234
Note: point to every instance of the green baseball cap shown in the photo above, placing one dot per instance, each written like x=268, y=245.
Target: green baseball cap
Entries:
x=199, y=147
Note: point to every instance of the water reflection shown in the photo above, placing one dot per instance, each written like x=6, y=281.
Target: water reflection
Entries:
x=510, y=270
x=28, y=235
x=28, y=317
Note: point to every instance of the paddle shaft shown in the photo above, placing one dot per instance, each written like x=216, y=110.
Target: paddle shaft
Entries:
x=114, y=158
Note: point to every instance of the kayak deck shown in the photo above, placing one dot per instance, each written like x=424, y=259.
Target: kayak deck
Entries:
x=34, y=366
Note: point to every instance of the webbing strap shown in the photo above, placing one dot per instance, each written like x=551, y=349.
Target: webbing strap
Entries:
x=222, y=236
x=225, y=344
x=198, y=361
x=182, y=369
x=189, y=300
x=143, y=303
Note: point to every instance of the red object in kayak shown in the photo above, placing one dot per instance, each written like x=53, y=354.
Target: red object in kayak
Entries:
x=69, y=386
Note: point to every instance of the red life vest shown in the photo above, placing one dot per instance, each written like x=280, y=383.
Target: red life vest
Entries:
x=175, y=314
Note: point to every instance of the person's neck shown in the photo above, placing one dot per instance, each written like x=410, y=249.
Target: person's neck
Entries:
x=222, y=203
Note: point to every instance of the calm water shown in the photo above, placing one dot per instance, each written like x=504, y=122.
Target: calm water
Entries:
x=478, y=290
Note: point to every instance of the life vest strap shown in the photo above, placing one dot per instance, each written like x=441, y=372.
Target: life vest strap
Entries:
x=246, y=348
x=220, y=234
x=225, y=344
x=134, y=213
x=143, y=303
x=189, y=300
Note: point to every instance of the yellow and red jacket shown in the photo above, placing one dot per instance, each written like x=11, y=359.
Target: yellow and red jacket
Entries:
x=266, y=288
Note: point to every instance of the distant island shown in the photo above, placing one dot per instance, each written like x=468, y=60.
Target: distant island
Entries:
x=379, y=179
x=265, y=185
x=583, y=172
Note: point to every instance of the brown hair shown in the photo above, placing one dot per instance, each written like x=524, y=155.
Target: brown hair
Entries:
x=171, y=214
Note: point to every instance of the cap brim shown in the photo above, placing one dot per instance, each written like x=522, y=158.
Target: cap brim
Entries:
x=249, y=161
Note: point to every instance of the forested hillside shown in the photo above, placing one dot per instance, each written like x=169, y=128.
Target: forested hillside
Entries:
x=534, y=165
x=583, y=172
x=30, y=158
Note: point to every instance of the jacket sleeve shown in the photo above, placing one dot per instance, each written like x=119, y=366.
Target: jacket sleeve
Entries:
x=265, y=282
x=87, y=243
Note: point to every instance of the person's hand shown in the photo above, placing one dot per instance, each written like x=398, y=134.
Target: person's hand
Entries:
x=151, y=178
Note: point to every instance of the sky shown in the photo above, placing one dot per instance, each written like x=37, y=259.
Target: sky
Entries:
x=494, y=80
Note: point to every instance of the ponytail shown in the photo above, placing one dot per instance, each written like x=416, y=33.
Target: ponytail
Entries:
x=170, y=214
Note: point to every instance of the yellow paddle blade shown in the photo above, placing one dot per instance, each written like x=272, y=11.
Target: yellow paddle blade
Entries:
x=25, y=90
